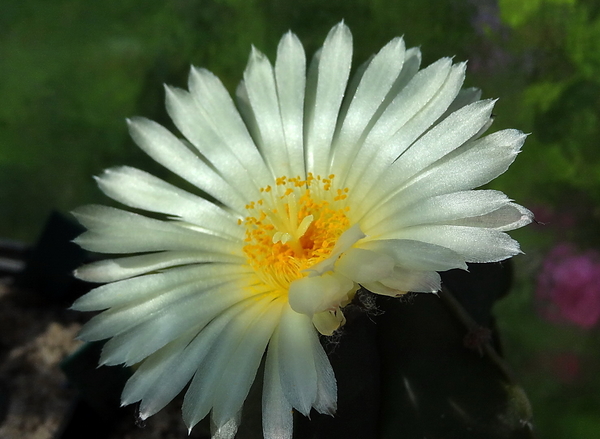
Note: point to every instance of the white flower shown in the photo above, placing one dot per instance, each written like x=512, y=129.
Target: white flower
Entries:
x=316, y=185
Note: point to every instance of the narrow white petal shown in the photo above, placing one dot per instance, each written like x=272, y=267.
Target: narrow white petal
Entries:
x=245, y=109
x=119, y=319
x=296, y=360
x=198, y=127
x=344, y=242
x=405, y=106
x=410, y=67
x=376, y=82
x=388, y=117
x=138, y=189
x=228, y=429
x=240, y=372
x=351, y=88
x=327, y=322
x=441, y=209
x=508, y=217
x=363, y=265
x=149, y=381
x=259, y=80
x=276, y=410
x=290, y=76
x=204, y=386
x=137, y=343
x=113, y=230
x=475, y=244
x=326, y=400
x=411, y=99
x=143, y=288
x=442, y=139
x=167, y=150
x=169, y=375
x=464, y=97
x=111, y=270
x=392, y=150
x=224, y=118
x=485, y=158
x=417, y=255
x=379, y=288
x=325, y=90
x=416, y=281
x=313, y=294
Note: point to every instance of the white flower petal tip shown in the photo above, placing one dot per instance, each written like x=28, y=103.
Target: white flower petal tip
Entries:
x=319, y=182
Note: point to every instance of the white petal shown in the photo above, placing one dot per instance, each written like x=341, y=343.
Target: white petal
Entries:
x=276, y=410
x=344, y=242
x=111, y=270
x=141, y=190
x=415, y=281
x=313, y=294
x=379, y=288
x=137, y=343
x=396, y=120
x=165, y=373
x=204, y=386
x=442, y=139
x=167, y=150
x=149, y=380
x=290, y=75
x=373, y=183
x=485, y=159
x=296, y=360
x=508, y=217
x=144, y=288
x=417, y=255
x=117, y=231
x=410, y=100
x=240, y=372
x=206, y=137
x=464, y=97
x=375, y=84
x=326, y=399
x=362, y=265
x=410, y=67
x=327, y=322
x=326, y=84
x=475, y=244
x=441, y=209
x=259, y=80
x=224, y=118
x=119, y=319
x=228, y=429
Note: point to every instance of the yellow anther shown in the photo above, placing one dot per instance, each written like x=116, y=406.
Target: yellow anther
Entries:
x=295, y=229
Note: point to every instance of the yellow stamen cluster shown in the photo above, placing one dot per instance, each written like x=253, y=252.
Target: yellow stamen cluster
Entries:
x=294, y=226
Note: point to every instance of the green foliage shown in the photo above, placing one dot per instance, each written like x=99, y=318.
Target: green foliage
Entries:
x=518, y=12
x=582, y=42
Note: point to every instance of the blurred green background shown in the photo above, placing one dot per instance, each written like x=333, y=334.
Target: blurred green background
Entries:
x=71, y=71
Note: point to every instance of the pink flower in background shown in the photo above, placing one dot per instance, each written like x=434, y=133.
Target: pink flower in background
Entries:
x=569, y=286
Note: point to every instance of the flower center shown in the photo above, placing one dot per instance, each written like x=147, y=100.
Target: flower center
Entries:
x=293, y=227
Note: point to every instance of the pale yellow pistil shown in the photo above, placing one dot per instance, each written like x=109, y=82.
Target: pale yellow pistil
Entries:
x=293, y=227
